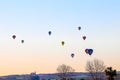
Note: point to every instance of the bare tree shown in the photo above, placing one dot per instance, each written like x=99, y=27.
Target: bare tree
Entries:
x=95, y=68
x=64, y=71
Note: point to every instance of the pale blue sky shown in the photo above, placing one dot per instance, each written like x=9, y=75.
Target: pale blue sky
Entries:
x=32, y=19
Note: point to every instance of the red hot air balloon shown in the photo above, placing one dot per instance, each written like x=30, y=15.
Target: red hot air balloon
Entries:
x=14, y=36
x=84, y=37
x=86, y=50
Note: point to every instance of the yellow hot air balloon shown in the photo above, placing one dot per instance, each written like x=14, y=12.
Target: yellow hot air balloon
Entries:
x=63, y=43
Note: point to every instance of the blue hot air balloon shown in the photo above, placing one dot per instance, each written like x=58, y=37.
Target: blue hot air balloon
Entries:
x=90, y=51
x=49, y=32
x=79, y=28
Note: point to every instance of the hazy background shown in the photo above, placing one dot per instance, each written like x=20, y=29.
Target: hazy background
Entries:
x=31, y=20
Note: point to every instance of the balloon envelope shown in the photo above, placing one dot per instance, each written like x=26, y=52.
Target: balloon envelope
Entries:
x=86, y=50
x=14, y=36
x=63, y=43
x=84, y=37
x=72, y=55
x=22, y=41
x=79, y=28
x=49, y=32
x=90, y=51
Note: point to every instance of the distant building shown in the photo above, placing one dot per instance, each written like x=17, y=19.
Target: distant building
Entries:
x=34, y=76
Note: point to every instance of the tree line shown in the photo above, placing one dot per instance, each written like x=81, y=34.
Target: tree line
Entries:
x=95, y=67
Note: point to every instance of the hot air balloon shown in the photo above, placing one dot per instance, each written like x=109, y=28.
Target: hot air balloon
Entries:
x=84, y=37
x=14, y=36
x=49, y=32
x=90, y=51
x=79, y=28
x=63, y=43
x=22, y=41
x=72, y=55
x=86, y=50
